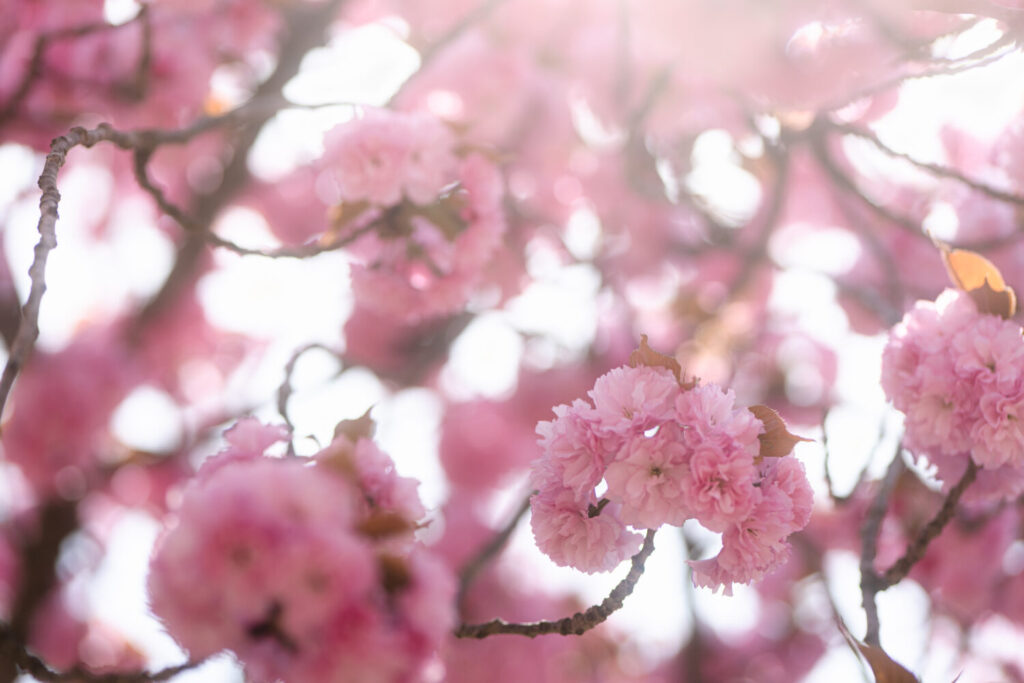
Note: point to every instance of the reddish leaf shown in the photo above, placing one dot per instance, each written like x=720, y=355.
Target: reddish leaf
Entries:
x=776, y=440
x=645, y=355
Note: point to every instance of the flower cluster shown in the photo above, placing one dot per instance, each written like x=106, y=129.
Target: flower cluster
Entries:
x=305, y=569
x=424, y=223
x=958, y=375
x=666, y=452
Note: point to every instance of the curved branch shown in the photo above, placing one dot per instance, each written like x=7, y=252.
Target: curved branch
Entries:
x=35, y=63
x=915, y=551
x=870, y=583
x=11, y=649
x=28, y=330
x=935, y=169
x=479, y=561
x=284, y=392
x=577, y=624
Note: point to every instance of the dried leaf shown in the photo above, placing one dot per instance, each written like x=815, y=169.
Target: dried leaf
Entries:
x=645, y=355
x=395, y=574
x=979, y=277
x=988, y=300
x=885, y=669
x=776, y=441
x=384, y=524
x=361, y=427
x=340, y=215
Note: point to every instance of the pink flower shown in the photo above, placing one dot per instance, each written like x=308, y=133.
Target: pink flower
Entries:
x=711, y=413
x=648, y=480
x=998, y=435
x=382, y=486
x=272, y=559
x=756, y=545
x=719, y=486
x=585, y=537
x=574, y=457
x=958, y=377
x=423, y=267
x=386, y=155
x=629, y=400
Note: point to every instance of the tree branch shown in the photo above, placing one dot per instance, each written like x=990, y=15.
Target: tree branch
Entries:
x=486, y=554
x=577, y=624
x=869, y=580
x=13, y=650
x=915, y=551
x=35, y=63
x=935, y=169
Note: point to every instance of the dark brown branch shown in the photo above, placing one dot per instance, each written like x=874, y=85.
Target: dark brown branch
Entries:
x=577, y=624
x=305, y=28
x=300, y=251
x=28, y=330
x=869, y=579
x=476, y=564
x=14, y=651
x=915, y=551
x=37, y=573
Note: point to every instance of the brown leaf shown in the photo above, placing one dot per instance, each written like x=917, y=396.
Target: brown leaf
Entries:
x=361, y=427
x=776, y=441
x=885, y=669
x=988, y=300
x=383, y=524
x=395, y=574
x=340, y=215
x=645, y=355
x=979, y=277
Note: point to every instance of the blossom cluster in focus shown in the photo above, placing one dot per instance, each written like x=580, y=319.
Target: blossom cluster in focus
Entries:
x=665, y=452
x=958, y=375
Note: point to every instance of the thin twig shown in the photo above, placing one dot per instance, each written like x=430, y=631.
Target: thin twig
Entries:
x=284, y=392
x=478, y=14
x=577, y=624
x=982, y=57
x=915, y=551
x=869, y=579
x=304, y=29
x=905, y=223
x=28, y=330
x=476, y=564
x=299, y=251
x=35, y=63
x=935, y=169
x=13, y=650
